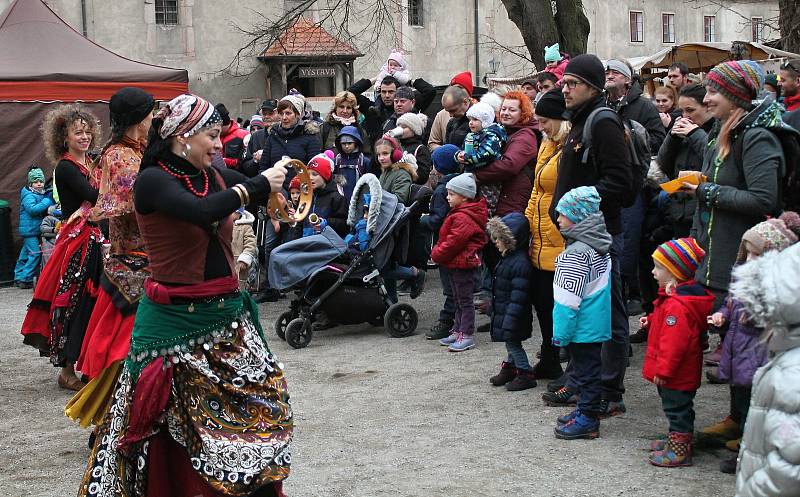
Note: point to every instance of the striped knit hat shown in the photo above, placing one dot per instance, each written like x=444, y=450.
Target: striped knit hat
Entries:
x=739, y=80
x=681, y=257
x=772, y=234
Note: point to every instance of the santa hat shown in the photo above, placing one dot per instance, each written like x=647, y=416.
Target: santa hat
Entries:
x=323, y=165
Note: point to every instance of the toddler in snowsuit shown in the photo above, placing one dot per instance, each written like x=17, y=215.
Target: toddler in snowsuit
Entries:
x=33, y=204
x=674, y=357
x=445, y=164
x=51, y=224
x=512, y=315
x=397, y=67
x=461, y=238
x=350, y=162
x=582, y=308
x=555, y=61
x=486, y=138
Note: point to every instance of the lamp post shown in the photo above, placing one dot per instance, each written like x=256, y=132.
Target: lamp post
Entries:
x=494, y=65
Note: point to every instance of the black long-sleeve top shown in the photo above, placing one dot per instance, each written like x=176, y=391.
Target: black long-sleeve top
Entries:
x=73, y=188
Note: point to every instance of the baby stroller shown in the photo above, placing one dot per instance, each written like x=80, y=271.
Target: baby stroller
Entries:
x=348, y=288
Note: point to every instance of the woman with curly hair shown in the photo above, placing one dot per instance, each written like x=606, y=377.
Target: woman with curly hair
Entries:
x=65, y=293
x=344, y=112
x=201, y=405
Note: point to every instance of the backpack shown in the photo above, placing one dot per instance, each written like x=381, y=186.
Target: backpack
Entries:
x=789, y=182
x=636, y=137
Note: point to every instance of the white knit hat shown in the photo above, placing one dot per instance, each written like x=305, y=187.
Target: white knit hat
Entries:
x=483, y=112
x=493, y=99
x=414, y=122
x=463, y=184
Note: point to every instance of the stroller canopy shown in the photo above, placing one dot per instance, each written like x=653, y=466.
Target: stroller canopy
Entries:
x=294, y=261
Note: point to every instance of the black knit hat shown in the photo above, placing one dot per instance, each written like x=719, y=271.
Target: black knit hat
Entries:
x=589, y=69
x=223, y=113
x=129, y=106
x=551, y=105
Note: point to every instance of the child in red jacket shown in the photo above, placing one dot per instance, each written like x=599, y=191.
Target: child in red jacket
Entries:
x=461, y=237
x=674, y=355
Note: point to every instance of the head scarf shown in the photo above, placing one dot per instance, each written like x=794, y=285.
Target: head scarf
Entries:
x=186, y=115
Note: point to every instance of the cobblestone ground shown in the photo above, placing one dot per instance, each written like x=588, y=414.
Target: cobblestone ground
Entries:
x=378, y=416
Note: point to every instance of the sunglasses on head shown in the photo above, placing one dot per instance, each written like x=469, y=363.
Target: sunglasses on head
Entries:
x=790, y=65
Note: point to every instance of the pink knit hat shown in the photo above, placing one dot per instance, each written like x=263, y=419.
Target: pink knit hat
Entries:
x=772, y=234
x=398, y=57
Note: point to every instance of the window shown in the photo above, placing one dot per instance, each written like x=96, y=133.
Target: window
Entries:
x=668, y=28
x=415, y=13
x=637, y=26
x=757, y=24
x=167, y=12
x=709, y=28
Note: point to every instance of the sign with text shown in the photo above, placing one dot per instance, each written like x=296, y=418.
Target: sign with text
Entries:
x=317, y=72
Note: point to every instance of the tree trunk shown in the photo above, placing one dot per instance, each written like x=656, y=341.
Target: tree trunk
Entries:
x=535, y=21
x=789, y=22
x=573, y=26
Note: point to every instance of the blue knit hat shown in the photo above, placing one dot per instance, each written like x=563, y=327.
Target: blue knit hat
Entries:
x=444, y=159
x=579, y=203
x=552, y=53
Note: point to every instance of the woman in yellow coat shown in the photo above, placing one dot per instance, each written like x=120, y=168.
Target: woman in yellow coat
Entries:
x=546, y=240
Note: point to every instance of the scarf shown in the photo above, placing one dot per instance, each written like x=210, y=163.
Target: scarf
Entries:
x=792, y=102
x=346, y=121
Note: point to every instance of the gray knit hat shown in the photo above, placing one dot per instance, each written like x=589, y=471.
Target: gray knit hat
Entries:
x=463, y=184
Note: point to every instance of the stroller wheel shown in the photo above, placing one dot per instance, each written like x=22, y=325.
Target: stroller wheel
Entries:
x=298, y=333
x=400, y=320
x=282, y=322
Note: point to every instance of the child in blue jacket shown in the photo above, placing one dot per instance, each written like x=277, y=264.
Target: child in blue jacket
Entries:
x=582, y=310
x=33, y=204
x=486, y=139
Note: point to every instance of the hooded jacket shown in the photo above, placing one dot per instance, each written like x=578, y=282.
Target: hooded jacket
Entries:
x=462, y=236
x=398, y=180
x=513, y=172
x=546, y=240
x=769, y=455
x=512, y=316
x=233, y=149
x=736, y=197
x=635, y=108
x=674, y=353
x=348, y=168
x=582, y=285
x=244, y=245
x=301, y=143
x=32, y=210
x=608, y=168
x=743, y=352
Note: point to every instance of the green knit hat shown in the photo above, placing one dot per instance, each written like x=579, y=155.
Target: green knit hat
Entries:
x=552, y=53
x=35, y=174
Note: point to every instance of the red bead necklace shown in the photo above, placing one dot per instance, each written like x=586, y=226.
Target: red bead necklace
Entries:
x=186, y=179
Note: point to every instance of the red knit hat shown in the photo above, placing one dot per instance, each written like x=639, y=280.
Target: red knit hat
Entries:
x=464, y=80
x=323, y=165
x=295, y=183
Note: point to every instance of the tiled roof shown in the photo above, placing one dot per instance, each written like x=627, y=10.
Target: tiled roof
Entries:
x=305, y=38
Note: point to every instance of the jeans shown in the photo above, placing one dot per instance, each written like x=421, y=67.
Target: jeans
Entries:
x=615, y=350
x=678, y=406
x=390, y=277
x=586, y=366
x=740, y=403
x=462, y=282
x=28, y=261
x=542, y=297
x=448, y=311
x=517, y=355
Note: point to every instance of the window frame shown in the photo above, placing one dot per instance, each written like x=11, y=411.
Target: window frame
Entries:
x=756, y=29
x=416, y=17
x=709, y=35
x=668, y=21
x=162, y=9
x=639, y=25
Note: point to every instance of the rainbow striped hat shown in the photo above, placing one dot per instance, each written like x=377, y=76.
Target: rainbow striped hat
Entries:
x=681, y=257
x=739, y=80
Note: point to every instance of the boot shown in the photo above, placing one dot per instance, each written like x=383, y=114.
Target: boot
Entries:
x=440, y=330
x=727, y=429
x=525, y=379
x=659, y=444
x=713, y=358
x=677, y=453
x=547, y=370
x=507, y=373
x=733, y=445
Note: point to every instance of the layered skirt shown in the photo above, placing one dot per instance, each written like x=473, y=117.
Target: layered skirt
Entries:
x=200, y=408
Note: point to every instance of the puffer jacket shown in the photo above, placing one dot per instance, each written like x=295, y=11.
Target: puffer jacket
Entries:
x=546, y=240
x=462, y=236
x=513, y=172
x=673, y=352
x=487, y=145
x=742, y=350
x=398, y=180
x=736, y=197
x=512, y=317
x=582, y=285
x=32, y=210
x=301, y=142
x=769, y=454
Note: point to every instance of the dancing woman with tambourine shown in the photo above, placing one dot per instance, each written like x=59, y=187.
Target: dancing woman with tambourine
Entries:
x=200, y=401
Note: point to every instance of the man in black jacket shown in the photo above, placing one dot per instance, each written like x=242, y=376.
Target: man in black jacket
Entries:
x=456, y=101
x=608, y=168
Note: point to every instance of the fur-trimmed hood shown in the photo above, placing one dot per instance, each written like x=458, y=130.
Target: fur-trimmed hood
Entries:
x=369, y=183
x=512, y=229
x=408, y=166
x=246, y=218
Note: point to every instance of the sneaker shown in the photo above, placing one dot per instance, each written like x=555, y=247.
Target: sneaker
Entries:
x=634, y=307
x=507, y=373
x=581, y=426
x=464, y=342
x=449, y=339
x=609, y=408
x=728, y=466
x=640, y=336
x=566, y=418
x=727, y=429
x=417, y=285
x=560, y=398
x=525, y=379
x=440, y=330
x=557, y=384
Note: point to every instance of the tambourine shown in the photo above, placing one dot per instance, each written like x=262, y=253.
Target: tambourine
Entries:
x=278, y=207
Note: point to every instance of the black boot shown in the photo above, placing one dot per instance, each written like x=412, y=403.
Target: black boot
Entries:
x=507, y=373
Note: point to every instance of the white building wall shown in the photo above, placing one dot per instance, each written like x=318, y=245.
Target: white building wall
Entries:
x=205, y=41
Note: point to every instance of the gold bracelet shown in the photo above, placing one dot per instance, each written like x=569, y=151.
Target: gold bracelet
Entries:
x=246, y=193
x=239, y=193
